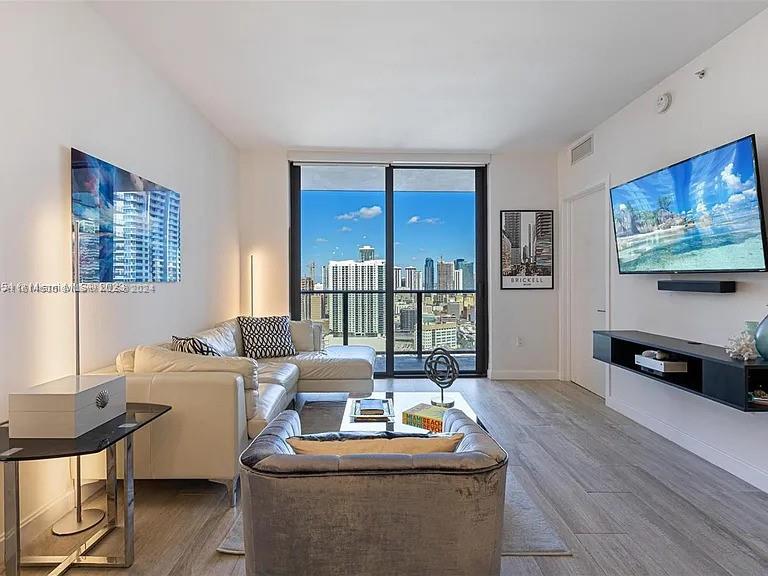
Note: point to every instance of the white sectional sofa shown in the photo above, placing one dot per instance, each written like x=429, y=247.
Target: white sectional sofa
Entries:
x=214, y=416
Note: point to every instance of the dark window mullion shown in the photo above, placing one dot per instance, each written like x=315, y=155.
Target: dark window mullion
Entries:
x=389, y=271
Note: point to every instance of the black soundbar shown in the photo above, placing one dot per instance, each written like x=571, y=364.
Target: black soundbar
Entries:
x=713, y=286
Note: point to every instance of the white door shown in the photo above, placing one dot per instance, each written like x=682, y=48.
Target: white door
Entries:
x=587, y=248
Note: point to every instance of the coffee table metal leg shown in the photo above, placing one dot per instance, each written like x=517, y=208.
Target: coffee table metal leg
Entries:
x=128, y=500
x=12, y=522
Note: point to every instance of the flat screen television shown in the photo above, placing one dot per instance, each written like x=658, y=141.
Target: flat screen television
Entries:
x=703, y=214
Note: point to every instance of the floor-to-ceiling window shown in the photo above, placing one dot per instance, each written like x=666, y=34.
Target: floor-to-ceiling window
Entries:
x=393, y=257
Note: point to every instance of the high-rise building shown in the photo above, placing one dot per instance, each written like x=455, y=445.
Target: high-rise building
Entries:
x=312, y=270
x=439, y=335
x=407, y=319
x=412, y=278
x=307, y=284
x=429, y=274
x=398, y=275
x=165, y=235
x=132, y=250
x=458, y=279
x=366, y=253
x=468, y=274
x=530, y=241
x=445, y=280
x=366, y=311
x=512, y=233
x=543, y=241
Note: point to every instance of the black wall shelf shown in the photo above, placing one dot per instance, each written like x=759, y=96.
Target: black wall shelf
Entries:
x=711, y=372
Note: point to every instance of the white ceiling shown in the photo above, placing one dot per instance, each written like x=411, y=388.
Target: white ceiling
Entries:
x=427, y=75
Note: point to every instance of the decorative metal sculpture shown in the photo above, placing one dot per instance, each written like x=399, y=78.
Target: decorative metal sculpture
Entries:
x=442, y=369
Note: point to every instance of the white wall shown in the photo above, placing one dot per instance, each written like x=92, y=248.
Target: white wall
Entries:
x=728, y=103
x=515, y=180
x=69, y=81
x=264, y=222
x=521, y=180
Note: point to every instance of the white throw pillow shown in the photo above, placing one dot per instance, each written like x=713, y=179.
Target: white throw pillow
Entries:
x=150, y=359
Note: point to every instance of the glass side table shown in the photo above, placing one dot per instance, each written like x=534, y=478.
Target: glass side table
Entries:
x=104, y=437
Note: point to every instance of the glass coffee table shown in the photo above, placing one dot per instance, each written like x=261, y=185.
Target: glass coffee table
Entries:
x=402, y=401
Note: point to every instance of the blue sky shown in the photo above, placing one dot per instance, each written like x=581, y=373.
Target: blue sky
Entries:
x=427, y=224
x=719, y=183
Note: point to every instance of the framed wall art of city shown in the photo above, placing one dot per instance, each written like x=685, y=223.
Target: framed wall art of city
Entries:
x=127, y=228
x=527, y=250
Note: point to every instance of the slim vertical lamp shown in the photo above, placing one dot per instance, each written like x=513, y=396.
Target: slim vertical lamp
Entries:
x=253, y=282
x=77, y=520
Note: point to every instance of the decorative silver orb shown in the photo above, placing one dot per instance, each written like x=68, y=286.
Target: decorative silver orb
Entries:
x=442, y=369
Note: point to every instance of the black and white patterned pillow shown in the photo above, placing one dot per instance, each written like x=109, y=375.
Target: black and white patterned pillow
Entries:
x=193, y=346
x=266, y=337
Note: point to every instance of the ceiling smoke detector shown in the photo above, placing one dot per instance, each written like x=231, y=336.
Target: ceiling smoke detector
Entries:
x=663, y=102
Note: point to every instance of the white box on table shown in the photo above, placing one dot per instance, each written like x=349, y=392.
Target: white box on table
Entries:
x=66, y=408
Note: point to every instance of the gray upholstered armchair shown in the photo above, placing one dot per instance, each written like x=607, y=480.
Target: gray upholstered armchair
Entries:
x=373, y=514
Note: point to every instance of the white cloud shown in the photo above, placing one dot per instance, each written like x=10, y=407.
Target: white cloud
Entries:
x=366, y=213
x=345, y=229
x=420, y=220
x=736, y=198
x=731, y=180
x=371, y=212
x=321, y=240
x=751, y=193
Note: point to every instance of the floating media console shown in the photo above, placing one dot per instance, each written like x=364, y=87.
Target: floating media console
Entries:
x=709, y=372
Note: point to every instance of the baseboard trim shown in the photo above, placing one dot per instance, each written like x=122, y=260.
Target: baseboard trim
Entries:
x=522, y=374
x=736, y=466
x=45, y=516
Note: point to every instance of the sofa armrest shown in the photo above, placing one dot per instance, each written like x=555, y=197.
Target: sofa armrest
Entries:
x=204, y=433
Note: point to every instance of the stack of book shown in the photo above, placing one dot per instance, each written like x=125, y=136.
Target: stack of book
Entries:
x=425, y=416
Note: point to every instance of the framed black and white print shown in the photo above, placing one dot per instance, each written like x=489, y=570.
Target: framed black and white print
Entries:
x=527, y=250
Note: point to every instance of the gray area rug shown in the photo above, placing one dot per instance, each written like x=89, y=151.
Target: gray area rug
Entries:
x=527, y=530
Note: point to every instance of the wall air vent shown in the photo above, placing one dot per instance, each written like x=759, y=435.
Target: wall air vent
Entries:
x=582, y=150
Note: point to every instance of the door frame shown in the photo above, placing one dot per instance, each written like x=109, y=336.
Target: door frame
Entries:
x=565, y=305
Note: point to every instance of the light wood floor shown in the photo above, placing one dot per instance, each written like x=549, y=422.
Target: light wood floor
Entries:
x=627, y=501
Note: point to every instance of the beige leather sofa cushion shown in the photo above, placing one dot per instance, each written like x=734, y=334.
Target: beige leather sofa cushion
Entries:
x=335, y=363
x=234, y=326
x=125, y=360
x=271, y=401
x=149, y=359
x=302, y=335
x=221, y=338
x=405, y=445
x=280, y=373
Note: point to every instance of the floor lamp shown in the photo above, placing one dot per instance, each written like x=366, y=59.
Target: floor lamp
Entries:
x=78, y=519
x=252, y=285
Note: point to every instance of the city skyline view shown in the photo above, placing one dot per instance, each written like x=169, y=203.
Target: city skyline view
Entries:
x=435, y=224
x=343, y=250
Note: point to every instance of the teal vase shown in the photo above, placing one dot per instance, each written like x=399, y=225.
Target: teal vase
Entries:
x=761, y=338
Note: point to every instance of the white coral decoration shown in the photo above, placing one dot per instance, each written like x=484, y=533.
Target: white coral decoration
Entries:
x=742, y=346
